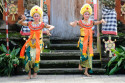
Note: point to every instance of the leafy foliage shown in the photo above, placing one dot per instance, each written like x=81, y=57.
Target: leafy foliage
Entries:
x=117, y=62
x=44, y=6
x=109, y=3
x=8, y=62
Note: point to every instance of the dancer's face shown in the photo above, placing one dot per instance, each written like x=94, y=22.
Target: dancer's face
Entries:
x=36, y=17
x=86, y=15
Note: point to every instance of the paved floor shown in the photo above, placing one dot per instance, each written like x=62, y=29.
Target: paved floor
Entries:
x=65, y=79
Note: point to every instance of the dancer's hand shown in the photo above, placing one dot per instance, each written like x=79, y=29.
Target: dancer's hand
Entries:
x=23, y=17
x=73, y=24
x=48, y=33
x=103, y=21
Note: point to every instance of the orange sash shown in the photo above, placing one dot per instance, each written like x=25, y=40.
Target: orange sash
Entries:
x=36, y=31
x=88, y=37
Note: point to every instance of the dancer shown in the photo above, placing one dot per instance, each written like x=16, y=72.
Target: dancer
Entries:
x=35, y=42
x=86, y=38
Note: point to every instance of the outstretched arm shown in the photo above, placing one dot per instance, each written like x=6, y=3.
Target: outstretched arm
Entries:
x=74, y=24
x=100, y=22
x=50, y=28
x=21, y=21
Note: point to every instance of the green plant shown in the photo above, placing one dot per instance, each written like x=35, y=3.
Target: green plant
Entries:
x=118, y=61
x=8, y=61
x=46, y=50
x=109, y=3
x=11, y=35
x=119, y=23
x=120, y=34
x=44, y=6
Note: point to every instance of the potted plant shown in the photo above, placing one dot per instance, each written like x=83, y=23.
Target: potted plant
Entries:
x=8, y=61
x=117, y=62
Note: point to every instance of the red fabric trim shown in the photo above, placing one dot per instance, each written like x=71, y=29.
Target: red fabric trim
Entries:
x=40, y=27
x=27, y=34
x=86, y=26
x=29, y=24
x=24, y=34
x=109, y=32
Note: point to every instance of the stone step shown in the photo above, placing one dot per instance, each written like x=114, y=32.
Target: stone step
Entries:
x=57, y=40
x=95, y=50
x=66, y=46
x=68, y=71
x=64, y=41
x=63, y=47
x=104, y=61
x=65, y=63
x=65, y=51
x=64, y=56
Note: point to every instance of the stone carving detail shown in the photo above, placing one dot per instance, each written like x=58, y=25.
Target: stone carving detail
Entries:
x=28, y=4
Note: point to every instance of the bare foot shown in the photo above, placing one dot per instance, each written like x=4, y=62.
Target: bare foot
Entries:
x=87, y=74
x=28, y=78
x=80, y=68
x=34, y=75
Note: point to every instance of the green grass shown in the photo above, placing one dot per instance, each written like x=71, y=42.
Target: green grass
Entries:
x=15, y=34
x=121, y=34
x=46, y=50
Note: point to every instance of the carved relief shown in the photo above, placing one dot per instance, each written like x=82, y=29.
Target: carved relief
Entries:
x=28, y=4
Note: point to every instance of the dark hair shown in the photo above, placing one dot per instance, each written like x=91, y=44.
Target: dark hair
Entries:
x=82, y=18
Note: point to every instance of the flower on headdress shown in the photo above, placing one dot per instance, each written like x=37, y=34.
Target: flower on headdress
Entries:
x=86, y=8
x=36, y=9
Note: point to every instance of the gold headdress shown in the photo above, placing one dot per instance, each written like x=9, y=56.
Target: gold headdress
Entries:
x=36, y=9
x=86, y=8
